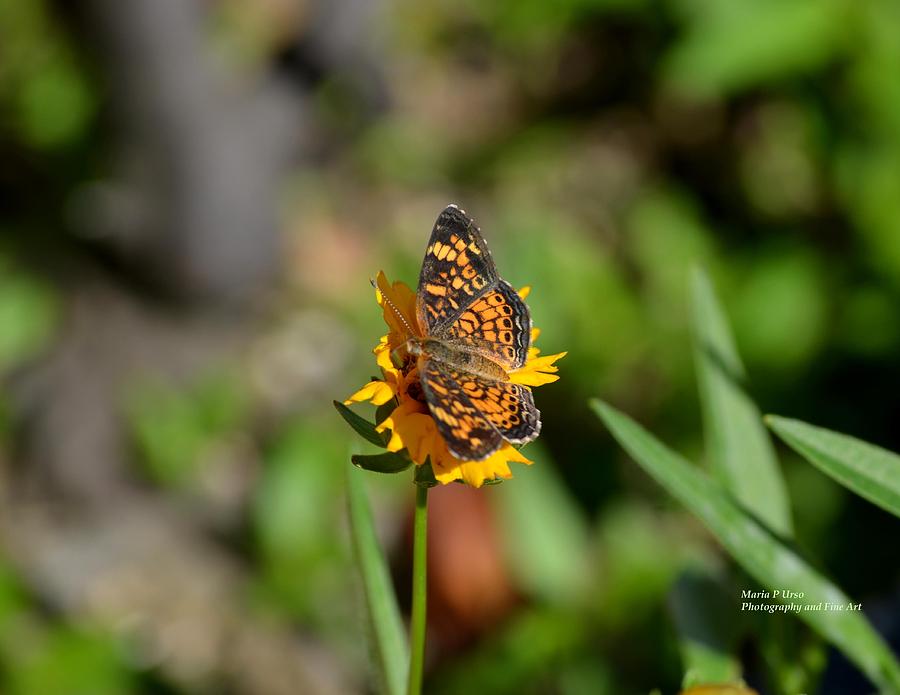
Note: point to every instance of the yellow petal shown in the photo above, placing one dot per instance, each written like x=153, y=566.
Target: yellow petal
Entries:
x=377, y=392
x=515, y=455
x=409, y=427
x=397, y=415
x=474, y=473
x=546, y=362
x=448, y=468
x=393, y=299
x=527, y=378
x=383, y=357
x=537, y=371
x=525, y=291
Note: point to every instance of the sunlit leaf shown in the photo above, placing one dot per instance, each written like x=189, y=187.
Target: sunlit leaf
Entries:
x=738, y=446
x=868, y=470
x=761, y=554
x=388, y=640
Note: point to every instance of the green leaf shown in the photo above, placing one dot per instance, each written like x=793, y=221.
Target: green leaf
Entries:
x=738, y=445
x=384, y=410
x=868, y=470
x=388, y=462
x=757, y=550
x=389, y=642
x=362, y=426
x=424, y=475
x=707, y=623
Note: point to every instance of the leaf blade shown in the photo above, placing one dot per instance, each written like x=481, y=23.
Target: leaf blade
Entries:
x=362, y=426
x=390, y=647
x=387, y=462
x=737, y=443
x=754, y=547
x=868, y=470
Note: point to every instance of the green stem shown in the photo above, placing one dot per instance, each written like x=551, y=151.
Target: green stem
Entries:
x=419, y=593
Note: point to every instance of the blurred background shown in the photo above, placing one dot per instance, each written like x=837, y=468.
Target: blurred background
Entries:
x=193, y=197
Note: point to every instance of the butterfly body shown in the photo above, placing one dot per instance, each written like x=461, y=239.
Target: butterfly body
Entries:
x=476, y=330
x=458, y=358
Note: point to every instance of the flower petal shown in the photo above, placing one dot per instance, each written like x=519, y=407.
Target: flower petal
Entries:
x=409, y=426
x=448, y=468
x=394, y=298
x=376, y=392
x=537, y=370
x=382, y=353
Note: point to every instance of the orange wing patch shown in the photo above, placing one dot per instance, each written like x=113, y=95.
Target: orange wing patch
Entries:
x=508, y=407
x=496, y=325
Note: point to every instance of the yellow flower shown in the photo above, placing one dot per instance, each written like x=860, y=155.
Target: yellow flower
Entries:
x=410, y=423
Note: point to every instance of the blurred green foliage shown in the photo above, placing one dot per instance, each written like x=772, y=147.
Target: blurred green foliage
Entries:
x=42, y=657
x=43, y=84
x=295, y=514
x=28, y=315
x=174, y=426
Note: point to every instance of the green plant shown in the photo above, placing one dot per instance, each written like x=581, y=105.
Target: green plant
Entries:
x=753, y=525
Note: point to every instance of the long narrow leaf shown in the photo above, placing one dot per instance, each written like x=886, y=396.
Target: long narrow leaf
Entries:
x=362, y=426
x=868, y=470
x=758, y=551
x=738, y=445
x=389, y=642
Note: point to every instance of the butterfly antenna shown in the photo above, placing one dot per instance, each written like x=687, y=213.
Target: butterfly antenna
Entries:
x=395, y=309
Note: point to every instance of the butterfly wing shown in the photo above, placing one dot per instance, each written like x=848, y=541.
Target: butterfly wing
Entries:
x=510, y=409
x=457, y=269
x=462, y=302
x=468, y=433
x=497, y=325
x=461, y=298
x=473, y=414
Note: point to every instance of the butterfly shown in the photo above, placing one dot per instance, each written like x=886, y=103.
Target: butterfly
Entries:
x=476, y=330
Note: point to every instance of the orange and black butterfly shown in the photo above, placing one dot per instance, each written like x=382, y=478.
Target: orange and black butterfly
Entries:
x=476, y=331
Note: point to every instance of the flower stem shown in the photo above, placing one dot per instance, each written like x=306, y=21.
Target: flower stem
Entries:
x=419, y=593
